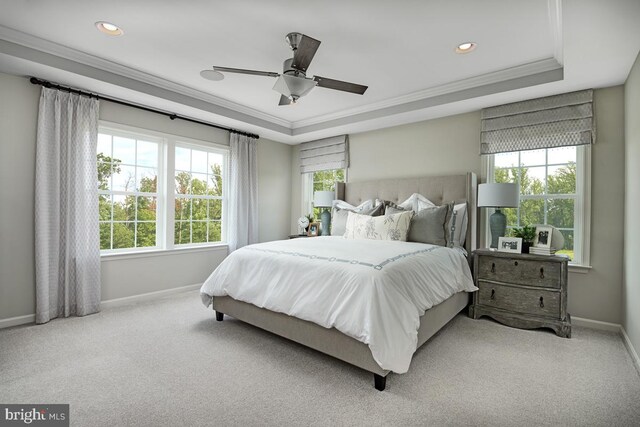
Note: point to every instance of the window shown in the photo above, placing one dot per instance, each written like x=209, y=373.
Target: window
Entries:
x=159, y=191
x=553, y=185
x=319, y=181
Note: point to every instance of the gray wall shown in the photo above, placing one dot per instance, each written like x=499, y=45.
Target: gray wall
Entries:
x=122, y=276
x=631, y=289
x=451, y=145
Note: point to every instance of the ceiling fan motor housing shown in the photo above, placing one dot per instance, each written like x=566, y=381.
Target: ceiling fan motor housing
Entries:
x=287, y=68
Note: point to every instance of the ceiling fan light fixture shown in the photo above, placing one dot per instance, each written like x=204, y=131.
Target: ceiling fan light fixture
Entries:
x=212, y=75
x=293, y=87
x=465, y=47
x=109, y=28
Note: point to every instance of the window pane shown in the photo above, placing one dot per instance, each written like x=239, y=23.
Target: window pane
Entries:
x=183, y=159
x=105, y=235
x=183, y=182
x=183, y=209
x=182, y=232
x=568, y=243
x=104, y=173
x=215, y=231
x=215, y=164
x=104, y=207
x=147, y=154
x=146, y=209
x=532, y=180
x=214, y=186
x=533, y=158
x=124, y=149
x=531, y=212
x=124, y=208
x=125, y=179
x=560, y=213
x=104, y=144
x=561, y=179
x=512, y=216
x=198, y=161
x=215, y=209
x=198, y=184
x=506, y=160
x=506, y=175
x=199, y=230
x=123, y=235
x=199, y=207
x=146, y=180
x=561, y=155
x=146, y=234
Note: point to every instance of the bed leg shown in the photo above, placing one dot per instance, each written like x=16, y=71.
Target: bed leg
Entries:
x=219, y=316
x=380, y=382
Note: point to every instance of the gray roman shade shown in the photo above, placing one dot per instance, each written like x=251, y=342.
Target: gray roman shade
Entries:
x=324, y=154
x=554, y=121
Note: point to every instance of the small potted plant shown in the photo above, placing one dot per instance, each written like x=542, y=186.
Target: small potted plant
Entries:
x=528, y=234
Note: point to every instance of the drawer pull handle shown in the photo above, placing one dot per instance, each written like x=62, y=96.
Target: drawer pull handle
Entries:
x=542, y=272
x=493, y=267
x=493, y=294
x=541, y=302
x=516, y=263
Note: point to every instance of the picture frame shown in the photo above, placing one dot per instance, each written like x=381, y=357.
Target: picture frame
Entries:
x=510, y=244
x=543, y=236
x=314, y=227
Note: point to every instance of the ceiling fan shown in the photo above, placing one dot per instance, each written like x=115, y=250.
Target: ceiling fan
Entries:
x=293, y=83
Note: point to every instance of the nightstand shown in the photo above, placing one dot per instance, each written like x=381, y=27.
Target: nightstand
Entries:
x=521, y=290
x=295, y=236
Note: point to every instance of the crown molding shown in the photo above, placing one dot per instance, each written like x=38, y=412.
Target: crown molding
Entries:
x=520, y=71
x=83, y=58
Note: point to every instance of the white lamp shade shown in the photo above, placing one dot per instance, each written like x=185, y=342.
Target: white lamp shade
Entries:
x=293, y=86
x=498, y=195
x=323, y=199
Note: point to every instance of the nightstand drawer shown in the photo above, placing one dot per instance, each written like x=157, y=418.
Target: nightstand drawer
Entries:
x=520, y=271
x=520, y=300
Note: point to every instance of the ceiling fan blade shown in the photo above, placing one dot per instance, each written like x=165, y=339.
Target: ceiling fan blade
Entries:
x=304, y=53
x=242, y=71
x=284, y=100
x=340, y=85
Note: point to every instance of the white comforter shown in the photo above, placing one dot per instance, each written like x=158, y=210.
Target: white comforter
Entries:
x=374, y=291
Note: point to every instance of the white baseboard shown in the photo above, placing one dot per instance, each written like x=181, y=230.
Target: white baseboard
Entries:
x=632, y=351
x=595, y=324
x=110, y=303
x=31, y=318
x=16, y=321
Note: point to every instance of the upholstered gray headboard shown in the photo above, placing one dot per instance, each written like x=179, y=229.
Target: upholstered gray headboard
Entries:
x=438, y=189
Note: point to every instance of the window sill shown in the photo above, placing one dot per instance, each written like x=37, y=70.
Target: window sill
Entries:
x=114, y=256
x=581, y=269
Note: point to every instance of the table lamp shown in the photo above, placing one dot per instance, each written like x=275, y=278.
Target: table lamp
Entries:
x=324, y=199
x=498, y=196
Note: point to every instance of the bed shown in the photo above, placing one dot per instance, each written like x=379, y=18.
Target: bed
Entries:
x=324, y=322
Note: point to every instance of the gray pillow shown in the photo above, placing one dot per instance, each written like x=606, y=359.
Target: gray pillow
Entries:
x=428, y=226
x=391, y=208
x=339, y=219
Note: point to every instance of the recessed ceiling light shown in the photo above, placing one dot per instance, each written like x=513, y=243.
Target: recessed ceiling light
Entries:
x=214, y=75
x=109, y=28
x=465, y=47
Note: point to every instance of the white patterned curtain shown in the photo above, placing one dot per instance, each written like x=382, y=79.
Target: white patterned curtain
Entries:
x=243, y=194
x=67, y=235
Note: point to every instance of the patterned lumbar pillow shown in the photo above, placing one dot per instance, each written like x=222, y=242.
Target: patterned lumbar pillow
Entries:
x=340, y=211
x=389, y=227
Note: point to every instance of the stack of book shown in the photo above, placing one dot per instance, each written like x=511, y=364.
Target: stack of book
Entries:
x=539, y=250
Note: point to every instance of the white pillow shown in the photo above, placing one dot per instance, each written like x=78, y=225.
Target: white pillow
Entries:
x=392, y=227
x=338, y=219
x=457, y=226
x=416, y=202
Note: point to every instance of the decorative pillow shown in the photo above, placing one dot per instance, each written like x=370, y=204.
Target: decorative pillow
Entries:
x=457, y=221
x=341, y=209
x=391, y=208
x=392, y=227
x=428, y=226
x=416, y=202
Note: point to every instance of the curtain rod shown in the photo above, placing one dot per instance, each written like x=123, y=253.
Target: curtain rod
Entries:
x=172, y=116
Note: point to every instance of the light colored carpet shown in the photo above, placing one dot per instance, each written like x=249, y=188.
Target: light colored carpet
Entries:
x=168, y=362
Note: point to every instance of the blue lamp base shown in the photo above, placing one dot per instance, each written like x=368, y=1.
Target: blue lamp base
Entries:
x=498, y=226
x=325, y=220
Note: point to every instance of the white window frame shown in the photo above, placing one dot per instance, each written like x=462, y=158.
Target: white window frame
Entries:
x=306, y=206
x=165, y=202
x=582, y=206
